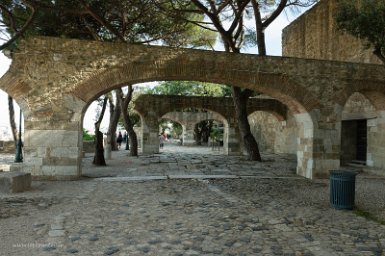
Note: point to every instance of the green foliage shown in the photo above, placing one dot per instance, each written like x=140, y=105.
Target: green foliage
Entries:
x=175, y=128
x=87, y=136
x=216, y=133
x=364, y=19
x=189, y=88
x=136, y=21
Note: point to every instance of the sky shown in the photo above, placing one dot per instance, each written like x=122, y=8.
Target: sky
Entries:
x=273, y=43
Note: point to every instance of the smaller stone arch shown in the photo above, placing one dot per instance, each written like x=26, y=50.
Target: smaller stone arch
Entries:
x=363, y=130
x=172, y=119
x=190, y=119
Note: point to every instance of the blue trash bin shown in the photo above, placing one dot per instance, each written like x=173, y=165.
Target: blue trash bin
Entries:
x=342, y=189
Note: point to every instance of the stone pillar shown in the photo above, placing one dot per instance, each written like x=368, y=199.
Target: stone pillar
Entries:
x=376, y=142
x=231, y=139
x=52, y=153
x=318, y=149
x=188, y=134
x=53, y=139
x=305, y=145
x=326, y=152
x=150, y=133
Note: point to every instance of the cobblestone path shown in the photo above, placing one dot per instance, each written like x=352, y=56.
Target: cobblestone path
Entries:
x=188, y=204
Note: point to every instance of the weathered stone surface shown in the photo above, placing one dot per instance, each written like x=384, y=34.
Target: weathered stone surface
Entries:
x=11, y=182
x=55, y=79
x=315, y=36
x=219, y=108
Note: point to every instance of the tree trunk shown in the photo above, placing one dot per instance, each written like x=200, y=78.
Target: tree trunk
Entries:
x=198, y=135
x=127, y=121
x=12, y=118
x=115, y=111
x=206, y=129
x=240, y=101
x=132, y=138
x=99, y=150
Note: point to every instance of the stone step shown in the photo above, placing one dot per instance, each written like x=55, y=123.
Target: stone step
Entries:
x=12, y=182
x=358, y=162
x=10, y=167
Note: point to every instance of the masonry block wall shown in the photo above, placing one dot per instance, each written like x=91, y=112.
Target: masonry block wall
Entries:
x=54, y=79
x=314, y=36
x=358, y=107
x=188, y=120
x=274, y=135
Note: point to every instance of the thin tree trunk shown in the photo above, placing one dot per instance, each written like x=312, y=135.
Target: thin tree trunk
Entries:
x=99, y=150
x=115, y=112
x=133, y=140
x=198, y=135
x=230, y=37
x=240, y=98
x=240, y=101
x=12, y=118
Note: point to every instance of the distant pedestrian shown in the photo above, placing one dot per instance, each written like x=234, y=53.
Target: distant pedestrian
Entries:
x=125, y=137
x=161, y=140
x=119, y=140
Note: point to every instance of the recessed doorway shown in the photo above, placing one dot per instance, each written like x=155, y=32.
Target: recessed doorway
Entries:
x=354, y=141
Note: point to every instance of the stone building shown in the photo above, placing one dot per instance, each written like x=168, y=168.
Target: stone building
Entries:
x=314, y=36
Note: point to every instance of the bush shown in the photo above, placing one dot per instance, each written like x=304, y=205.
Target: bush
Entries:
x=87, y=136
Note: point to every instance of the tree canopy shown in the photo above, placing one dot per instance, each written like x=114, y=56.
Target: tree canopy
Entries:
x=364, y=19
x=136, y=21
x=190, y=88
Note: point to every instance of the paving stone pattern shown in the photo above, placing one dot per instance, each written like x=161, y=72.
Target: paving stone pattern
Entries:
x=264, y=209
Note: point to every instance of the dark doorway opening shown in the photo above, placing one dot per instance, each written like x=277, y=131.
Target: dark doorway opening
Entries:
x=362, y=140
x=354, y=141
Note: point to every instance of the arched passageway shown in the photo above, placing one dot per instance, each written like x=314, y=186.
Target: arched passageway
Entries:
x=54, y=79
x=363, y=130
x=189, y=119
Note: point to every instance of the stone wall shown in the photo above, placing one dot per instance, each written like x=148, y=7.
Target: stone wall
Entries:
x=7, y=147
x=314, y=35
x=359, y=107
x=376, y=143
x=188, y=120
x=54, y=80
x=88, y=146
x=273, y=135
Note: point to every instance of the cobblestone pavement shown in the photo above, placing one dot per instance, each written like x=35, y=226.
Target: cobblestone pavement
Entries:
x=199, y=203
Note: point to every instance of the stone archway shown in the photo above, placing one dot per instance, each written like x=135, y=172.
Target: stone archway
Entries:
x=152, y=107
x=363, y=130
x=53, y=79
x=188, y=120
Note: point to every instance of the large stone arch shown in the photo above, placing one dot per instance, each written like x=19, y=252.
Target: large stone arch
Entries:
x=53, y=79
